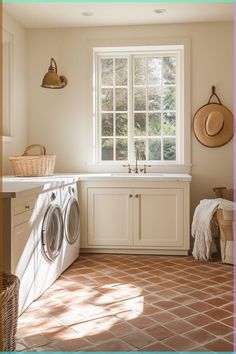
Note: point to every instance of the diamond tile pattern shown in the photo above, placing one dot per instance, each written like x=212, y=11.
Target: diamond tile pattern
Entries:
x=106, y=302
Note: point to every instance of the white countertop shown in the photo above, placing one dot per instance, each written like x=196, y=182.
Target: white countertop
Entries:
x=13, y=186
x=136, y=176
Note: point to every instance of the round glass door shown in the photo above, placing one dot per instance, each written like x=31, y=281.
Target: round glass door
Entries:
x=72, y=221
x=52, y=232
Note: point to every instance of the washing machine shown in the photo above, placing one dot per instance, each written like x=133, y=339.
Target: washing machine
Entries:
x=71, y=218
x=49, y=241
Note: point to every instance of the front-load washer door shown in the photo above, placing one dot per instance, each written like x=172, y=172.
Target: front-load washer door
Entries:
x=52, y=232
x=72, y=221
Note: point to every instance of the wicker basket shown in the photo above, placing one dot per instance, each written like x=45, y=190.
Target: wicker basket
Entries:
x=225, y=219
x=33, y=165
x=223, y=192
x=9, y=285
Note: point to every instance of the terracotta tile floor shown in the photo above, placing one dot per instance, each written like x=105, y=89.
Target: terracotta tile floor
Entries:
x=133, y=303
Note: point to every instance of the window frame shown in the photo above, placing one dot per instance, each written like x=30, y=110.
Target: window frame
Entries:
x=177, y=50
x=7, y=112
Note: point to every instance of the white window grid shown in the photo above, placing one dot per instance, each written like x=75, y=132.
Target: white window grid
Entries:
x=129, y=54
x=114, y=111
x=147, y=86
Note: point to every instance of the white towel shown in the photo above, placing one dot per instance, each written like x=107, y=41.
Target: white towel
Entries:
x=201, y=227
x=226, y=204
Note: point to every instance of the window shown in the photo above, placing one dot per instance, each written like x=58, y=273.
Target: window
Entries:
x=138, y=104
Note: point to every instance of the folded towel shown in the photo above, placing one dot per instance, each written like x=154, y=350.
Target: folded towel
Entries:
x=201, y=225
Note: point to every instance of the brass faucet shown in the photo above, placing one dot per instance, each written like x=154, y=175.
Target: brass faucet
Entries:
x=129, y=168
x=137, y=156
x=144, y=169
x=135, y=169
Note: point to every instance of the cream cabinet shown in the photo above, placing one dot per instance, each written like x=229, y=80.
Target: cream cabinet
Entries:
x=135, y=217
x=158, y=217
x=19, y=244
x=23, y=262
x=110, y=217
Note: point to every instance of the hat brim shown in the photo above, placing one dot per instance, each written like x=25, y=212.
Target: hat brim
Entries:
x=199, y=125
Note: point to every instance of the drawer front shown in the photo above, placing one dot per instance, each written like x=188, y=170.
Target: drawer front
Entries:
x=23, y=217
x=24, y=209
x=24, y=206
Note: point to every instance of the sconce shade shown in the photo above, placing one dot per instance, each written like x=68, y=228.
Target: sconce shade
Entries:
x=51, y=79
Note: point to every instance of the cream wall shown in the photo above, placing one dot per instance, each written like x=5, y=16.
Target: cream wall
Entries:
x=62, y=119
x=16, y=144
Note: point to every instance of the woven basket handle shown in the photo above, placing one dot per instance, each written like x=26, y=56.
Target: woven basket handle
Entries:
x=30, y=147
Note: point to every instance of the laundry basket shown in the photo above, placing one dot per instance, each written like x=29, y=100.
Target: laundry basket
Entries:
x=33, y=165
x=9, y=285
x=225, y=219
x=223, y=192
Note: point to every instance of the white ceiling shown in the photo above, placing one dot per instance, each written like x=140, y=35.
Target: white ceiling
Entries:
x=52, y=14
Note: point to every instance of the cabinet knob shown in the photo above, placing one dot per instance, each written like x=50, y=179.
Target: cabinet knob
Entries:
x=136, y=195
x=27, y=207
x=130, y=196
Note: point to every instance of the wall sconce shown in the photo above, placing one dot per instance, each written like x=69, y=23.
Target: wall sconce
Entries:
x=51, y=79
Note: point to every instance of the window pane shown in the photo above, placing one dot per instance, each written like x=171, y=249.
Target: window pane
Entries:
x=107, y=124
x=121, y=71
x=169, y=123
x=169, y=67
x=155, y=149
x=141, y=146
x=107, y=99
x=139, y=124
x=154, y=71
x=154, y=123
x=154, y=98
x=169, y=98
x=107, y=149
x=169, y=148
x=121, y=149
x=121, y=124
x=107, y=72
x=140, y=99
x=121, y=99
x=140, y=71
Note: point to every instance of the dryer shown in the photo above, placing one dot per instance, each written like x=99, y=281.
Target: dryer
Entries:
x=71, y=217
x=49, y=241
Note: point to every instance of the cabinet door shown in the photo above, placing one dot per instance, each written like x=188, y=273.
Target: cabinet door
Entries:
x=23, y=262
x=110, y=216
x=158, y=218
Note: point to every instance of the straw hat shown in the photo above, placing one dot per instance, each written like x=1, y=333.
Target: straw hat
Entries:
x=213, y=124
